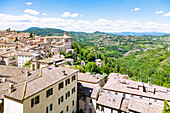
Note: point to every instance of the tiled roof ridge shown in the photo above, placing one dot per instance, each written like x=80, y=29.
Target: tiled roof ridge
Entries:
x=24, y=90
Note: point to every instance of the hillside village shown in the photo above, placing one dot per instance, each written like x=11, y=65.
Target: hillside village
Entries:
x=37, y=75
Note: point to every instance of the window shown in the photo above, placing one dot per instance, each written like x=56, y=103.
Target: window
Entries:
x=67, y=81
x=60, y=86
x=73, y=103
x=73, y=90
x=116, y=93
x=60, y=100
x=49, y=92
x=49, y=108
x=35, y=101
x=73, y=78
x=67, y=94
x=67, y=108
x=90, y=100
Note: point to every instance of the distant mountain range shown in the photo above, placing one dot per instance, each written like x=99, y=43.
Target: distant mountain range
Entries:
x=54, y=31
x=141, y=33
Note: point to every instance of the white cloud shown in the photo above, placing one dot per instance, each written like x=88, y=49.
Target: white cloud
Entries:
x=31, y=11
x=74, y=15
x=167, y=14
x=28, y=3
x=135, y=9
x=44, y=14
x=25, y=21
x=159, y=12
x=68, y=14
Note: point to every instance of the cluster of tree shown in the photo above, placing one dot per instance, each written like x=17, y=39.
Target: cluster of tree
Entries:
x=150, y=66
x=143, y=66
x=27, y=64
x=45, y=31
x=166, y=108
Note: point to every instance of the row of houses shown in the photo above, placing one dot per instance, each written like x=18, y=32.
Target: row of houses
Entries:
x=54, y=89
x=26, y=48
x=119, y=95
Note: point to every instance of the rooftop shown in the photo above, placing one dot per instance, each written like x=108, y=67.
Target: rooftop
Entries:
x=145, y=106
x=26, y=53
x=58, y=37
x=45, y=78
x=109, y=99
x=8, y=71
x=50, y=60
x=132, y=87
x=84, y=77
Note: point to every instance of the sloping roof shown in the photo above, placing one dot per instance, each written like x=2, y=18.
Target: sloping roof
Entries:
x=50, y=60
x=84, y=77
x=8, y=71
x=58, y=37
x=125, y=105
x=109, y=99
x=20, y=53
x=114, y=85
x=145, y=106
x=46, y=78
x=23, y=78
x=3, y=88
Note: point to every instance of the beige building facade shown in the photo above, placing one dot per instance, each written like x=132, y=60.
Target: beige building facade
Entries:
x=54, y=90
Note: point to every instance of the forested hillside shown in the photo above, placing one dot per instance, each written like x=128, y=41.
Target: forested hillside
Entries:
x=152, y=65
x=144, y=58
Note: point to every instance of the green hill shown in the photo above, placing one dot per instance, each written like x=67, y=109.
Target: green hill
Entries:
x=45, y=31
x=153, y=66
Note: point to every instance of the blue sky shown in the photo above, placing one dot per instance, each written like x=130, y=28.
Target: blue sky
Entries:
x=87, y=15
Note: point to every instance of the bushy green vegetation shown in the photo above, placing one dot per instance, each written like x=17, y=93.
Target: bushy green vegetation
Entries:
x=166, y=108
x=45, y=31
x=27, y=64
x=16, y=39
x=143, y=58
x=152, y=65
x=149, y=66
x=81, y=68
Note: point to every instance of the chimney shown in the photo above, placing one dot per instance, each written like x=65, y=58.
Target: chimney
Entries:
x=54, y=64
x=63, y=72
x=27, y=73
x=11, y=88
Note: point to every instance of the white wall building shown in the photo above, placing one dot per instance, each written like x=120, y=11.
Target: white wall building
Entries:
x=24, y=57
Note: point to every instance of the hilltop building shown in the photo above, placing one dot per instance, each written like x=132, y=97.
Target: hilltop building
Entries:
x=60, y=43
